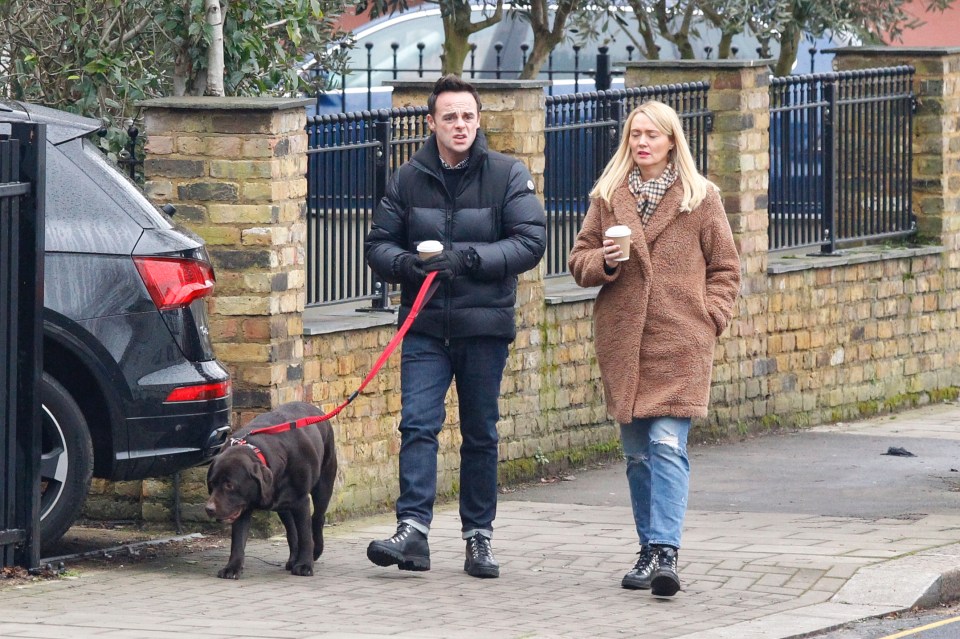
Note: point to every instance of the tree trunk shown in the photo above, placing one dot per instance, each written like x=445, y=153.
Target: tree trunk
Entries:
x=647, y=32
x=542, y=46
x=665, y=16
x=215, y=70
x=457, y=28
x=456, y=47
x=682, y=40
x=648, y=47
x=723, y=49
x=182, y=73
x=546, y=37
x=789, y=46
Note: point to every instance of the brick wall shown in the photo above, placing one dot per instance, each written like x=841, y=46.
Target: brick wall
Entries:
x=235, y=170
x=867, y=333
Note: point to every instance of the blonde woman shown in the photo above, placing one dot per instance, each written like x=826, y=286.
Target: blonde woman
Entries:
x=656, y=319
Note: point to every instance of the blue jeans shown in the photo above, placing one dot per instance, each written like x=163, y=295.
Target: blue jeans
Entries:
x=427, y=366
x=658, y=473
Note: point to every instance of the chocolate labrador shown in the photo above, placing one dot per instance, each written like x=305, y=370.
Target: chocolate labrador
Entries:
x=279, y=472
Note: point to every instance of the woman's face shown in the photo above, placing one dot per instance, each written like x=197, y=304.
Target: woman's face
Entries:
x=649, y=147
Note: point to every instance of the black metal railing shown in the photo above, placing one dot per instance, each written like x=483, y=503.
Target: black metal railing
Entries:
x=841, y=158
x=351, y=156
x=600, y=75
x=22, y=167
x=582, y=133
x=129, y=158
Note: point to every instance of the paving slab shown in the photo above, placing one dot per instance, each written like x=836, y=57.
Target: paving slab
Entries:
x=774, y=547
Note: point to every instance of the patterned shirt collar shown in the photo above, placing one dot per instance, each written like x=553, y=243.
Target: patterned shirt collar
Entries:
x=460, y=165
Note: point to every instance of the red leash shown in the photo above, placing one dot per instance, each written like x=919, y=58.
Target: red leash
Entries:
x=426, y=292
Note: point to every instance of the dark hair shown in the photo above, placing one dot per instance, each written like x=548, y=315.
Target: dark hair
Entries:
x=451, y=83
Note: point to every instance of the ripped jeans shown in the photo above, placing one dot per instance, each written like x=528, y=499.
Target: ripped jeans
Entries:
x=658, y=473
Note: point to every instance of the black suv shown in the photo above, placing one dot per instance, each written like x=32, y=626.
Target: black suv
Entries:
x=131, y=388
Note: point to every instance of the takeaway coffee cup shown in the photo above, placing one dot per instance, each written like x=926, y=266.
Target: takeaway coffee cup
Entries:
x=429, y=248
x=620, y=235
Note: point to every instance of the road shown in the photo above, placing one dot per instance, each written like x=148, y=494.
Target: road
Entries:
x=942, y=623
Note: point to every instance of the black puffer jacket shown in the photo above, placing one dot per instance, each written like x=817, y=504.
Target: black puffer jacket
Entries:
x=495, y=211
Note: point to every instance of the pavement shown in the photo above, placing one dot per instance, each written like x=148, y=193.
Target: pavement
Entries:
x=787, y=535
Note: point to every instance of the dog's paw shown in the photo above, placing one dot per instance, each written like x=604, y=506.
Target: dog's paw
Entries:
x=229, y=573
x=302, y=570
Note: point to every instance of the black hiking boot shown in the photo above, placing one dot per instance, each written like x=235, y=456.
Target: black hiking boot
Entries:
x=641, y=574
x=407, y=549
x=480, y=561
x=665, y=580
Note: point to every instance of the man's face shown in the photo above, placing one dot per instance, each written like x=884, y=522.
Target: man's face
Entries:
x=455, y=120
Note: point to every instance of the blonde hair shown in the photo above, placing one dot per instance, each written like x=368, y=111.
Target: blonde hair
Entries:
x=668, y=122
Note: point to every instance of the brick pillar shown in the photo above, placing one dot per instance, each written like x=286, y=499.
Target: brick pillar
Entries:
x=936, y=134
x=235, y=168
x=512, y=118
x=738, y=163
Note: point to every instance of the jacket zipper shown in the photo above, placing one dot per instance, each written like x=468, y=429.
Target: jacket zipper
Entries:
x=448, y=229
x=448, y=286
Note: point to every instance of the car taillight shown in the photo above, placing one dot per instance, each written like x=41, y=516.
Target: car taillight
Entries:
x=199, y=393
x=175, y=282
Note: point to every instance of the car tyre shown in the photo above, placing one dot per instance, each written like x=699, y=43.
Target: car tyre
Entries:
x=66, y=462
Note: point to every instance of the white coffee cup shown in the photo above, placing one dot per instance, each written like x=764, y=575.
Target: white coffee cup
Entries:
x=621, y=235
x=429, y=248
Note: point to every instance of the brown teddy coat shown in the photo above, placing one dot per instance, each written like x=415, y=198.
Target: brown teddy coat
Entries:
x=657, y=317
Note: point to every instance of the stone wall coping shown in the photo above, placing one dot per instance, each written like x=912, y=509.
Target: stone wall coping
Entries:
x=924, y=52
x=334, y=318
x=479, y=84
x=216, y=103
x=777, y=264
x=563, y=290
x=696, y=64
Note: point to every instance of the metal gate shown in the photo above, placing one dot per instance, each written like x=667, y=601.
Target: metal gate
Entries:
x=841, y=158
x=22, y=166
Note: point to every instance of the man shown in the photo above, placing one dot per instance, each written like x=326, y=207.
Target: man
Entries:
x=482, y=207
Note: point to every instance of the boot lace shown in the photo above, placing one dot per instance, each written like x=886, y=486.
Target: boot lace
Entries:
x=480, y=548
x=644, y=561
x=667, y=560
x=403, y=531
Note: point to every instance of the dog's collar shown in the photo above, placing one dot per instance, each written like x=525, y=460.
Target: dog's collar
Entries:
x=256, y=451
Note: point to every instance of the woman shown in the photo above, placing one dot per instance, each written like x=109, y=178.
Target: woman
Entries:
x=656, y=319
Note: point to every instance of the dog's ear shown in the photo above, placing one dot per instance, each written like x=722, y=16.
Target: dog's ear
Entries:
x=264, y=477
x=210, y=475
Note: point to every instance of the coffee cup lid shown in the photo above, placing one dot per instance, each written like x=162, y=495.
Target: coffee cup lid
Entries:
x=429, y=246
x=618, y=231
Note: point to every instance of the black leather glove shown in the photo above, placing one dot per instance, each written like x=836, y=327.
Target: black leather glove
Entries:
x=409, y=268
x=451, y=264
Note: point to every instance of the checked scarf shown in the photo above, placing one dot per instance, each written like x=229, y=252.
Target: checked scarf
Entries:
x=650, y=193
